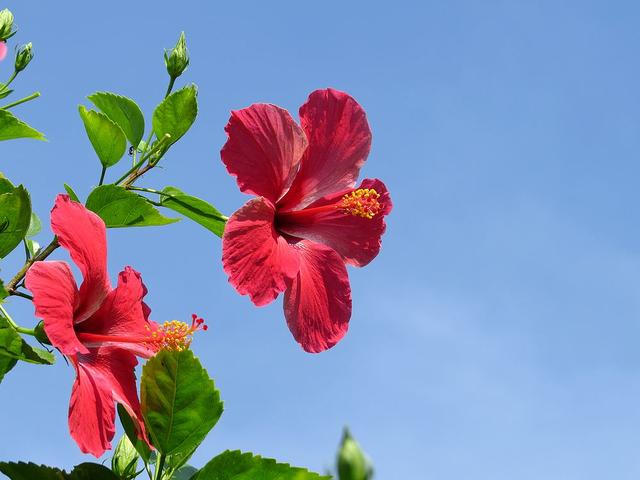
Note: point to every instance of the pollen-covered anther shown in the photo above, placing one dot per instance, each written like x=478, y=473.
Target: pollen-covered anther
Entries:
x=362, y=202
x=176, y=335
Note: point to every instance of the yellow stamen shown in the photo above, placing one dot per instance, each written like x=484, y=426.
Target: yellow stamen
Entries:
x=362, y=202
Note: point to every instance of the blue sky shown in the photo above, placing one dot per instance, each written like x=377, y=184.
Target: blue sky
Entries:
x=495, y=336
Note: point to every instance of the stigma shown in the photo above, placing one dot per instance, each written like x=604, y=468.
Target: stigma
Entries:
x=362, y=202
x=176, y=335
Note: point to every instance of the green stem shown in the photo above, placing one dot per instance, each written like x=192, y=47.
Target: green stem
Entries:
x=104, y=170
x=11, y=286
x=143, y=156
x=14, y=325
x=18, y=293
x=11, y=79
x=22, y=100
x=159, y=467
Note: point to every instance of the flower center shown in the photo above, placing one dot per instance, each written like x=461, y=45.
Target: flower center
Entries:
x=362, y=202
x=176, y=335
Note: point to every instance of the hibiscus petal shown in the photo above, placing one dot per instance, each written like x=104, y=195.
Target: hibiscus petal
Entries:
x=55, y=295
x=3, y=50
x=91, y=412
x=263, y=150
x=339, y=142
x=256, y=258
x=123, y=315
x=83, y=233
x=317, y=304
x=104, y=376
x=357, y=239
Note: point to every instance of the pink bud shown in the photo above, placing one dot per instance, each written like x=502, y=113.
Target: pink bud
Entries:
x=3, y=50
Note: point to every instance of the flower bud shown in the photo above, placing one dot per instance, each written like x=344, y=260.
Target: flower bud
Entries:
x=23, y=57
x=177, y=59
x=353, y=464
x=40, y=334
x=6, y=24
x=124, y=462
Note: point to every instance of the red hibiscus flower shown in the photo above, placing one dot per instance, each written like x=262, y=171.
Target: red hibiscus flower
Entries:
x=309, y=218
x=99, y=329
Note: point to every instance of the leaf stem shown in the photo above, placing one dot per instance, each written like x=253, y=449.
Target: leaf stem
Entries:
x=18, y=293
x=149, y=190
x=22, y=100
x=14, y=325
x=12, y=285
x=11, y=79
x=104, y=170
x=159, y=466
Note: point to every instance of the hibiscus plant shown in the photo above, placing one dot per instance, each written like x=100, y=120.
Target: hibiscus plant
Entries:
x=307, y=222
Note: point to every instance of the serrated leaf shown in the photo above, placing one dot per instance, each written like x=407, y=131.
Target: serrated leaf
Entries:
x=235, y=465
x=72, y=195
x=180, y=403
x=35, y=225
x=13, y=346
x=130, y=430
x=176, y=114
x=15, y=217
x=31, y=471
x=123, y=111
x=119, y=207
x=194, y=208
x=107, y=138
x=11, y=127
x=92, y=471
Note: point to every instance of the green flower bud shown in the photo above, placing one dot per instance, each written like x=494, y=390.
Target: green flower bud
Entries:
x=6, y=25
x=23, y=57
x=353, y=464
x=177, y=59
x=124, y=462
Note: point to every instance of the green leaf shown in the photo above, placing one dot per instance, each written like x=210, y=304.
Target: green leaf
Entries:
x=119, y=207
x=13, y=346
x=72, y=195
x=92, y=471
x=194, y=208
x=5, y=185
x=185, y=473
x=4, y=91
x=129, y=428
x=107, y=138
x=11, y=127
x=31, y=471
x=123, y=111
x=32, y=246
x=6, y=364
x=3, y=292
x=180, y=403
x=15, y=217
x=124, y=462
x=176, y=113
x=235, y=465
x=35, y=225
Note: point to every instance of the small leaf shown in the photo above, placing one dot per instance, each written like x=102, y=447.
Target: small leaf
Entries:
x=123, y=111
x=180, y=403
x=235, y=465
x=129, y=428
x=35, y=225
x=13, y=346
x=15, y=217
x=72, y=195
x=31, y=471
x=6, y=364
x=11, y=127
x=176, y=113
x=119, y=207
x=194, y=208
x=107, y=138
x=32, y=246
